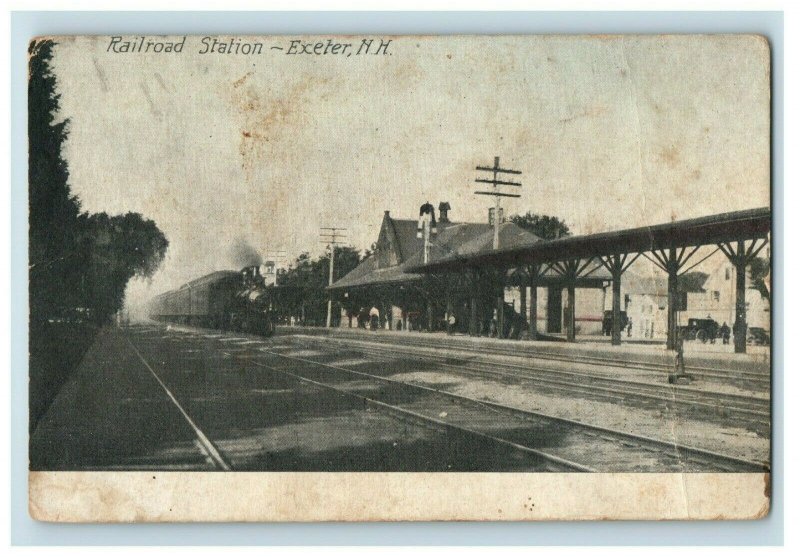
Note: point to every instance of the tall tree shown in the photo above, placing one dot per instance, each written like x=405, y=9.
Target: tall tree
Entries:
x=544, y=226
x=75, y=260
x=116, y=248
x=760, y=277
x=53, y=210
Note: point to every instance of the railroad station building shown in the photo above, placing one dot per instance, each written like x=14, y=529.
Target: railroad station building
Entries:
x=417, y=301
x=517, y=287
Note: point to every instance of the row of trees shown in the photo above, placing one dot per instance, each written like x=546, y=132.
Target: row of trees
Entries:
x=305, y=280
x=77, y=261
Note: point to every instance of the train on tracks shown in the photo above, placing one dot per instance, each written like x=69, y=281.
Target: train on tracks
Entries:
x=226, y=300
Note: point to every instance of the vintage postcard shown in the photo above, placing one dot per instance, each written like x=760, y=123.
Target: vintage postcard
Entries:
x=308, y=278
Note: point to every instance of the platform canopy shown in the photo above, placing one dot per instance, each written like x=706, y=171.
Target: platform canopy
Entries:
x=709, y=230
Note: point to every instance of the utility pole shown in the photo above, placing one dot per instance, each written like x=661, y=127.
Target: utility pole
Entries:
x=495, y=170
x=495, y=191
x=331, y=235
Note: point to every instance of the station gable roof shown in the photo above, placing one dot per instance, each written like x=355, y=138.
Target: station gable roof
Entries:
x=398, y=249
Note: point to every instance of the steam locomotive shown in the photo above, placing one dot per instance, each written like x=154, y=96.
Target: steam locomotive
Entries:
x=224, y=300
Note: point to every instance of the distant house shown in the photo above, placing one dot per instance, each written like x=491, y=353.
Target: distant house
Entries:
x=718, y=299
x=706, y=295
x=645, y=300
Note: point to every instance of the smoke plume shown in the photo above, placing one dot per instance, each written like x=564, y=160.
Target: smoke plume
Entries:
x=244, y=255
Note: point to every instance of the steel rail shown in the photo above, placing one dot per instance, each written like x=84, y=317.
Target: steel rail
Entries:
x=723, y=373
x=207, y=445
x=636, y=389
x=408, y=349
x=649, y=444
x=561, y=463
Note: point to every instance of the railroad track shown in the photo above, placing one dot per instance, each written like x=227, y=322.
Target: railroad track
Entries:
x=563, y=444
x=749, y=412
x=753, y=413
x=758, y=379
x=737, y=377
x=518, y=457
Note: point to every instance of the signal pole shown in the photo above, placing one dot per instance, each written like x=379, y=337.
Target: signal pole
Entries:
x=495, y=170
x=331, y=237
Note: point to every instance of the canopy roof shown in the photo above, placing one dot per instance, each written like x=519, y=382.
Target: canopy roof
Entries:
x=712, y=229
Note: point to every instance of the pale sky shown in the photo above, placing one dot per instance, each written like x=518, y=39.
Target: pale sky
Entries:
x=608, y=132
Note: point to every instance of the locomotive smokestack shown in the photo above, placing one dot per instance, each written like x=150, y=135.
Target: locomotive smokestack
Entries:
x=251, y=275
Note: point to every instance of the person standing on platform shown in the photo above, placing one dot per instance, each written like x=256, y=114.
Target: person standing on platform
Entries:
x=374, y=318
x=680, y=365
x=725, y=331
x=450, y=322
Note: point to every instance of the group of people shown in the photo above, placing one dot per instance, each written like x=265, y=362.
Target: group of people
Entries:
x=369, y=318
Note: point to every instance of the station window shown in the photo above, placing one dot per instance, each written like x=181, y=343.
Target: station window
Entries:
x=716, y=295
x=727, y=273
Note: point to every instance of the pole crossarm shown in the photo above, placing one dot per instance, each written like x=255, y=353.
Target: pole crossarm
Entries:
x=496, y=193
x=498, y=182
x=496, y=168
